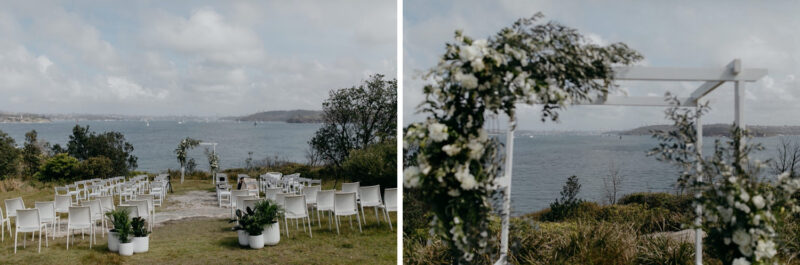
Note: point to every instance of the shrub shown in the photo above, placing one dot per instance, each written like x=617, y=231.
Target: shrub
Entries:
x=84, y=145
x=58, y=168
x=567, y=205
x=8, y=155
x=96, y=167
x=374, y=165
x=661, y=250
x=681, y=203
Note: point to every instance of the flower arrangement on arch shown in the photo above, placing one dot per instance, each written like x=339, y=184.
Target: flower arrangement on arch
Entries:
x=455, y=163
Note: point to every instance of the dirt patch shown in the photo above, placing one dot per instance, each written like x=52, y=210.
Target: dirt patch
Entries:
x=196, y=203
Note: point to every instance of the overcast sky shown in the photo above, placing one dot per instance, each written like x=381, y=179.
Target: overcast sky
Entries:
x=188, y=57
x=685, y=34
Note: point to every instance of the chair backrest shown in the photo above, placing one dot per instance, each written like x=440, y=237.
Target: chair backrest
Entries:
x=106, y=203
x=28, y=218
x=295, y=206
x=240, y=201
x=62, y=203
x=61, y=190
x=370, y=195
x=351, y=187
x=344, y=203
x=280, y=198
x=149, y=198
x=311, y=193
x=47, y=210
x=133, y=210
x=80, y=215
x=12, y=205
x=142, y=205
x=271, y=192
x=236, y=193
x=94, y=206
x=222, y=178
x=390, y=199
x=250, y=203
x=325, y=199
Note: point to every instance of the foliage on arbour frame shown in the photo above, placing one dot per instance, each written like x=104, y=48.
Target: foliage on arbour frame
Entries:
x=183, y=147
x=739, y=212
x=535, y=63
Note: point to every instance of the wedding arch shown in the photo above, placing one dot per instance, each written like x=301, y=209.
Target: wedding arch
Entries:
x=712, y=78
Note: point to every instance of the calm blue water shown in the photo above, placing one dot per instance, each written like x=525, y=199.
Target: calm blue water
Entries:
x=543, y=163
x=154, y=145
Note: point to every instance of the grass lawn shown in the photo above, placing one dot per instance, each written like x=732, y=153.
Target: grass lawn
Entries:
x=210, y=241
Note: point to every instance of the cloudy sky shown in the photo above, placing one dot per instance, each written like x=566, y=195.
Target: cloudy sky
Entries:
x=188, y=57
x=687, y=34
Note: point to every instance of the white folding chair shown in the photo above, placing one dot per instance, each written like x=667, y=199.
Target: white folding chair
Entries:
x=223, y=191
x=80, y=217
x=352, y=187
x=345, y=205
x=28, y=222
x=389, y=204
x=47, y=215
x=133, y=210
x=250, y=203
x=325, y=204
x=371, y=197
x=296, y=209
x=12, y=205
x=150, y=198
x=269, y=193
x=311, y=197
x=4, y=221
x=234, y=195
x=97, y=214
x=143, y=208
x=240, y=202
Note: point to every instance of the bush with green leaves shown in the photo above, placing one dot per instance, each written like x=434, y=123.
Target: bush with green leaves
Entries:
x=268, y=212
x=60, y=167
x=96, y=167
x=568, y=203
x=121, y=220
x=139, y=227
x=8, y=155
x=374, y=165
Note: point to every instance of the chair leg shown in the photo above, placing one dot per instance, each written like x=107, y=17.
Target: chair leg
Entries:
x=337, y=223
x=15, y=241
x=376, y=215
x=310, y=234
x=359, y=224
x=40, y=240
x=388, y=220
x=67, y=237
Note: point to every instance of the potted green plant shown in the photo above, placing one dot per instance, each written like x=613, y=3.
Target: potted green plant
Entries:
x=243, y=219
x=118, y=218
x=141, y=240
x=254, y=228
x=269, y=213
x=124, y=234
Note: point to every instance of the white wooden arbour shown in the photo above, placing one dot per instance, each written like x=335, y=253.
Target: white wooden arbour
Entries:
x=213, y=151
x=712, y=78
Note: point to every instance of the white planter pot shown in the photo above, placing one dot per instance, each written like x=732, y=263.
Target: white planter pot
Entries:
x=113, y=242
x=272, y=234
x=243, y=241
x=126, y=249
x=141, y=244
x=256, y=242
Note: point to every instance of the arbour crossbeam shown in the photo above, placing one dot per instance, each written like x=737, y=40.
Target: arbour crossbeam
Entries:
x=712, y=78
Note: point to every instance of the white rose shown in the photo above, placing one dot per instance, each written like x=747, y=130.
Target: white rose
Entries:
x=466, y=179
x=744, y=196
x=758, y=201
x=437, y=132
x=743, y=207
x=746, y=250
x=411, y=176
x=482, y=44
x=477, y=64
x=468, y=81
x=451, y=149
x=475, y=149
x=741, y=237
x=740, y=261
x=469, y=53
x=765, y=249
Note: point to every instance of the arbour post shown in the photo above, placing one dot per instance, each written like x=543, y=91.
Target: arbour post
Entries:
x=698, y=232
x=506, y=182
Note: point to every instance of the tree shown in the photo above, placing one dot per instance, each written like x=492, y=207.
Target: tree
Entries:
x=60, y=167
x=374, y=165
x=183, y=147
x=8, y=155
x=612, y=182
x=356, y=117
x=32, y=153
x=84, y=144
x=788, y=159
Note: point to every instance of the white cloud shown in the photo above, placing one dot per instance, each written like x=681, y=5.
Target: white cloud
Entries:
x=126, y=89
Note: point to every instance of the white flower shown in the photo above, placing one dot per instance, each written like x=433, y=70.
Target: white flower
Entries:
x=482, y=135
x=454, y=193
x=481, y=44
x=744, y=196
x=451, y=149
x=469, y=53
x=740, y=261
x=475, y=149
x=468, y=81
x=746, y=250
x=741, y=237
x=726, y=213
x=411, y=176
x=758, y=201
x=765, y=249
x=742, y=207
x=467, y=180
x=437, y=132
x=477, y=64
